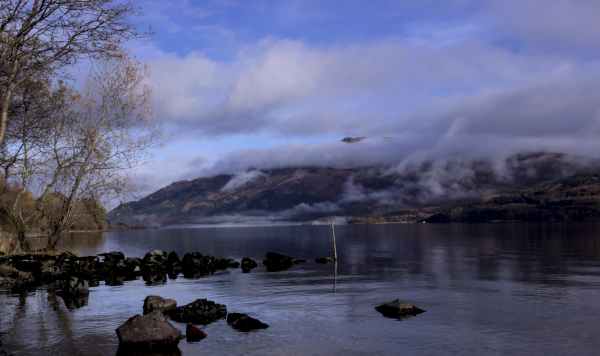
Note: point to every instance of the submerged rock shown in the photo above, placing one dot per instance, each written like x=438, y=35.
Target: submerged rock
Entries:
x=232, y=263
x=244, y=322
x=201, y=311
x=248, y=264
x=154, y=302
x=279, y=262
x=148, y=332
x=112, y=258
x=192, y=333
x=398, y=309
x=75, y=287
x=325, y=260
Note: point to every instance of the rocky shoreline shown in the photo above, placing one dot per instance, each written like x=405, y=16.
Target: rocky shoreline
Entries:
x=73, y=276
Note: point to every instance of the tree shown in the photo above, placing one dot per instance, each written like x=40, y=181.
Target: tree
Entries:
x=43, y=37
x=110, y=134
x=34, y=110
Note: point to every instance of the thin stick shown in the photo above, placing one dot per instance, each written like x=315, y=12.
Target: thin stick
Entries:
x=334, y=248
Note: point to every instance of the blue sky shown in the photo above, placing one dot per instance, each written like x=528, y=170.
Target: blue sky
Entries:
x=267, y=84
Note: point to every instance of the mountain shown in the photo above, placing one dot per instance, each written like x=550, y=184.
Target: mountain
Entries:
x=306, y=193
x=573, y=198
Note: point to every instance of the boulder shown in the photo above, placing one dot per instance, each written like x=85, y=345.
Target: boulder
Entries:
x=155, y=279
x=88, y=263
x=155, y=257
x=398, y=309
x=278, y=262
x=156, y=314
x=325, y=260
x=201, y=311
x=148, y=332
x=111, y=258
x=191, y=260
x=195, y=262
x=221, y=263
x=248, y=264
x=154, y=302
x=173, y=258
x=76, y=286
x=243, y=322
x=232, y=264
x=192, y=333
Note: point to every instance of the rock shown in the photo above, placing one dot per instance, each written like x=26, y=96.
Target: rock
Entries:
x=398, y=309
x=192, y=333
x=243, y=322
x=325, y=260
x=232, y=264
x=156, y=314
x=88, y=263
x=155, y=257
x=76, y=286
x=195, y=262
x=143, y=332
x=191, y=260
x=73, y=302
x=111, y=258
x=154, y=302
x=221, y=263
x=278, y=262
x=155, y=279
x=173, y=258
x=201, y=311
x=248, y=264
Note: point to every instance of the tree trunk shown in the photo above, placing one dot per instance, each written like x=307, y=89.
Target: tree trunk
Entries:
x=53, y=240
x=23, y=242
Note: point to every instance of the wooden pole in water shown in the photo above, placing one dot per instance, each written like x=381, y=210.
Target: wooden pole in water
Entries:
x=334, y=248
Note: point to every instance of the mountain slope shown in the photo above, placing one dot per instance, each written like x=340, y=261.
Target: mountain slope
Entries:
x=573, y=198
x=305, y=193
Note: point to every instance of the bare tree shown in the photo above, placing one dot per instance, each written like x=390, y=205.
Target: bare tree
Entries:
x=35, y=107
x=48, y=36
x=112, y=134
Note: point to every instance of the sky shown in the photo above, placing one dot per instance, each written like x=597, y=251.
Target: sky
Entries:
x=268, y=84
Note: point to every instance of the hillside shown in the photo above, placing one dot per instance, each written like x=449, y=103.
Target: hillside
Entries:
x=307, y=193
x=574, y=198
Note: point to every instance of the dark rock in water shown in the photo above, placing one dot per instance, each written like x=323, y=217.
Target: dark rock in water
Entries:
x=114, y=280
x=325, y=260
x=76, y=286
x=278, y=262
x=248, y=264
x=398, y=309
x=221, y=263
x=147, y=333
x=232, y=264
x=173, y=258
x=192, y=333
x=191, y=260
x=73, y=302
x=111, y=258
x=155, y=257
x=155, y=279
x=201, y=311
x=154, y=302
x=173, y=262
x=88, y=263
x=243, y=322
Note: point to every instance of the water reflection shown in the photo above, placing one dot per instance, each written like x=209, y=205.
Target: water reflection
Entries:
x=487, y=289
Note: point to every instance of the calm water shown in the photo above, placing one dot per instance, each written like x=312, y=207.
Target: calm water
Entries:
x=493, y=289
